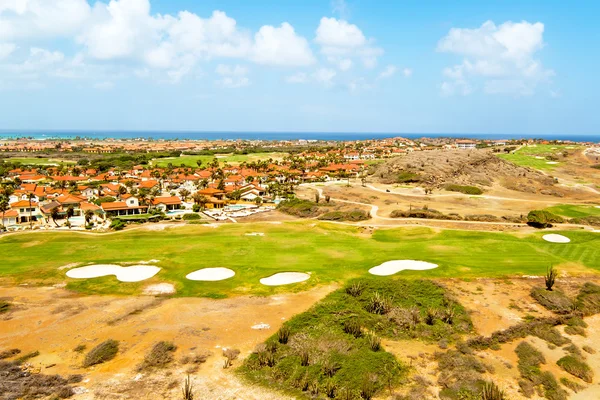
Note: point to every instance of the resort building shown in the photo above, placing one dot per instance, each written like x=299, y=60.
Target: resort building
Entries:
x=167, y=203
x=130, y=206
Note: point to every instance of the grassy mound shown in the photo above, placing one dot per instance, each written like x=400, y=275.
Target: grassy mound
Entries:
x=334, y=348
x=543, y=219
x=299, y=208
x=554, y=300
x=104, y=352
x=354, y=215
x=474, y=190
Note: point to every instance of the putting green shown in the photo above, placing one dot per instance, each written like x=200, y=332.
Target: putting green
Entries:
x=329, y=252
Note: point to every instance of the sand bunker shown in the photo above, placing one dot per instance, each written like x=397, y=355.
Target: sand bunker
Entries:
x=159, y=288
x=135, y=273
x=551, y=162
x=211, y=274
x=284, y=278
x=255, y=234
x=393, y=267
x=554, y=238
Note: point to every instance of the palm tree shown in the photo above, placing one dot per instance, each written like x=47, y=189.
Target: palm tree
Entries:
x=70, y=213
x=184, y=193
x=121, y=191
x=30, y=196
x=4, y=207
x=54, y=215
x=89, y=214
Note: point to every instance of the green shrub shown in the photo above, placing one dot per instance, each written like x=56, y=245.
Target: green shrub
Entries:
x=554, y=300
x=105, y=351
x=543, y=219
x=190, y=217
x=379, y=304
x=117, y=224
x=574, y=386
x=473, y=190
x=4, y=306
x=299, y=208
x=354, y=216
x=588, y=299
x=575, y=366
x=283, y=334
x=352, y=327
x=196, y=208
x=407, y=177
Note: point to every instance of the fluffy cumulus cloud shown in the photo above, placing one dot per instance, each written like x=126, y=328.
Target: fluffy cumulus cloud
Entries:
x=127, y=32
x=499, y=59
x=341, y=41
x=114, y=39
x=281, y=46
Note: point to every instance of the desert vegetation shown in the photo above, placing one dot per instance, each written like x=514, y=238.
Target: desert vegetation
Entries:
x=335, y=348
x=103, y=352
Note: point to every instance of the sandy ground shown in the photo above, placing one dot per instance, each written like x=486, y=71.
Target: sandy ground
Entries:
x=55, y=321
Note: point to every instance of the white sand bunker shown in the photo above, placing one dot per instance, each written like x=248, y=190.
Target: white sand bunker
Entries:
x=554, y=238
x=393, y=267
x=159, y=288
x=255, y=234
x=135, y=273
x=552, y=162
x=211, y=274
x=285, y=278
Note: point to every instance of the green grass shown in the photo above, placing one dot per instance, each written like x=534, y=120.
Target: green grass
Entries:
x=190, y=161
x=574, y=211
x=330, y=252
x=525, y=156
x=37, y=161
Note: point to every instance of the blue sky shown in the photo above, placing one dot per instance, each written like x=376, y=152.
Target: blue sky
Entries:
x=341, y=66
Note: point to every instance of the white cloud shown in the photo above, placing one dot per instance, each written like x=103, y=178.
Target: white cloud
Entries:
x=340, y=7
x=345, y=64
x=339, y=33
x=232, y=77
x=495, y=54
x=281, y=46
x=407, y=72
x=388, y=72
x=41, y=18
x=340, y=41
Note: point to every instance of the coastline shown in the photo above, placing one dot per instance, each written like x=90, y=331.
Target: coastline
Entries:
x=274, y=136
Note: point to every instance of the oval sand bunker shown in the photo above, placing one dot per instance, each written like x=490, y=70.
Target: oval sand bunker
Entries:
x=393, y=267
x=211, y=274
x=554, y=238
x=284, y=278
x=135, y=273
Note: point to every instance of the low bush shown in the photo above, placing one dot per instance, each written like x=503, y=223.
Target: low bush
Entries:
x=588, y=299
x=543, y=219
x=354, y=216
x=191, y=217
x=575, y=366
x=9, y=353
x=117, y=224
x=407, y=177
x=104, y=352
x=423, y=214
x=160, y=356
x=26, y=357
x=230, y=355
x=555, y=300
x=473, y=190
x=299, y=208
x=529, y=363
x=491, y=391
x=18, y=384
x=574, y=386
x=4, y=306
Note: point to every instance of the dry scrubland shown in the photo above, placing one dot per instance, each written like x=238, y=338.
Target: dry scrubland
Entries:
x=380, y=337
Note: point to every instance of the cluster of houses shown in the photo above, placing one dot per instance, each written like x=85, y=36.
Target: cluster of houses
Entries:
x=77, y=196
